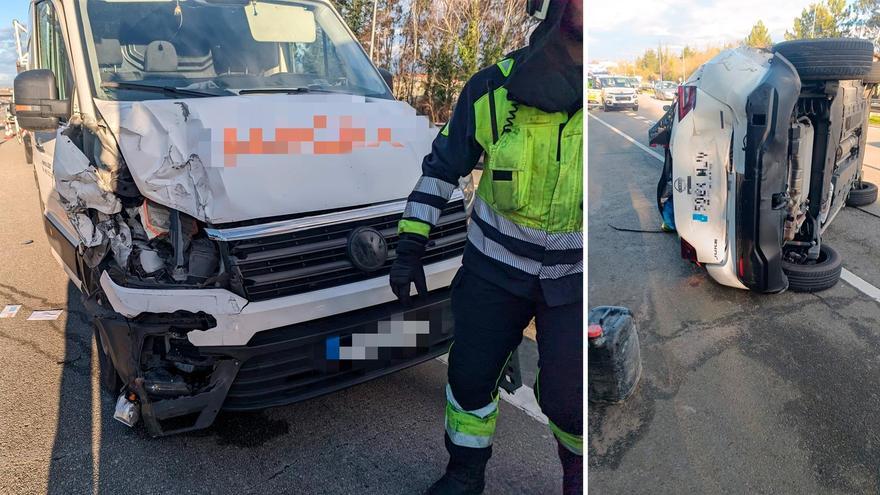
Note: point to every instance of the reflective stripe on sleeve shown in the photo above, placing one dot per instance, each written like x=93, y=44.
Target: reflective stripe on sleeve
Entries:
x=426, y=213
x=413, y=227
x=434, y=186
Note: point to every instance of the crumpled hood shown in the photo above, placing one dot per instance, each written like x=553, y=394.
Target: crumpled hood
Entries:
x=236, y=158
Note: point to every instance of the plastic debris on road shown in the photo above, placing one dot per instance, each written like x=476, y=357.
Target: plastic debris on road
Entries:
x=51, y=314
x=10, y=311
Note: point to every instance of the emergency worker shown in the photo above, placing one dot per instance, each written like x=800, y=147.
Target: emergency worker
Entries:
x=524, y=257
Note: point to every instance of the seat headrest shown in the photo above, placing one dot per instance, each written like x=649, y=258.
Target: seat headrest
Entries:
x=253, y=60
x=160, y=56
x=109, y=53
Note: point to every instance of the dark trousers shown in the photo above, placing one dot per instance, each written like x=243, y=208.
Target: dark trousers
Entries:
x=489, y=324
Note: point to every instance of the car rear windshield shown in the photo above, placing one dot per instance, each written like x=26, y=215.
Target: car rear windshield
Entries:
x=222, y=47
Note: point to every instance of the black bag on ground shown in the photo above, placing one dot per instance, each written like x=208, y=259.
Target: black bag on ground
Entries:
x=614, y=363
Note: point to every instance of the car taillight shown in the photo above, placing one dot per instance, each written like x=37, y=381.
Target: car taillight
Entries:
x=687, y=100
x=688, y=252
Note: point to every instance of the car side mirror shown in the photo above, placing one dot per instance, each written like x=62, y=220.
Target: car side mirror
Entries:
x=37, y=107
x=666, y=108
x=389, y=79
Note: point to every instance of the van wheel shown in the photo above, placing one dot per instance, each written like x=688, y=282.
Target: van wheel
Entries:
x=635, y=108
x=605, y=108
x=830, y=58
x=862, y=194
x=813, y=277
x=110, y=380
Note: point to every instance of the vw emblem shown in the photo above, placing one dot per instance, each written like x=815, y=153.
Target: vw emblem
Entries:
x=367, y=249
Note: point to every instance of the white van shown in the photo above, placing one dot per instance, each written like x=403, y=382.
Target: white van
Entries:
x=223, y=180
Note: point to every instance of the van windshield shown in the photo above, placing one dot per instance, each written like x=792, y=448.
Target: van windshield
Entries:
x=222, y=47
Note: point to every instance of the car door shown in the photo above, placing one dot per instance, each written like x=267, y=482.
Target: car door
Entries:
x=49, y=52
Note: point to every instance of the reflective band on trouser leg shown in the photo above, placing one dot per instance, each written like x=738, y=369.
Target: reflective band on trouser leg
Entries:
x=574, y=443
x=474, y=429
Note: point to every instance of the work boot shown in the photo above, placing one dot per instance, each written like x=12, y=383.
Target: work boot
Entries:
x=460, y=479
x=572, y=471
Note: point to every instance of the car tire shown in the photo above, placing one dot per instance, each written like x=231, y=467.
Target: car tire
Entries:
x=110, y=380
x=28, y=150
x=815, y=277
x=862, y=194
x=605, y=108
x=635, y=108
x=873, y=77
x=830, y=58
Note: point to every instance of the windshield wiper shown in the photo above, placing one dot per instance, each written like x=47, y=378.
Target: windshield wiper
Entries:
x=169, y=90
x=290, y=91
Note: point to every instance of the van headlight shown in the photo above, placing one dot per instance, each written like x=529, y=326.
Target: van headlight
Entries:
x=468, y=190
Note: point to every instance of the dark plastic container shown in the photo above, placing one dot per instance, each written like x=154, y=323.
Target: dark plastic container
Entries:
x=614, y=363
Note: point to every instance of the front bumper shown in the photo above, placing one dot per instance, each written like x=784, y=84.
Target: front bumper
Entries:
x=277, y=367
x=232, y=354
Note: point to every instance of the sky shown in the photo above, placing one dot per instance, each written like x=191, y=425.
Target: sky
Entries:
x=9, y=10
x=616, y=29
x=623, y=29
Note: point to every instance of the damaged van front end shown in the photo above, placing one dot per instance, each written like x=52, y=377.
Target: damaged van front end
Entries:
x=228, y=204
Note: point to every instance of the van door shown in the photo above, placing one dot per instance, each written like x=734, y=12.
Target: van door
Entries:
x=50, y=53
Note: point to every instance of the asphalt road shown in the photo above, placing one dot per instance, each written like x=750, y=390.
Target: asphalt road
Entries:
x=57, y=434
x=740, y=393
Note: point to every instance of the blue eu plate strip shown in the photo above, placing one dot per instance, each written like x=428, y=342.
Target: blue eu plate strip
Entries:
x=700, y=217
x=333, y=348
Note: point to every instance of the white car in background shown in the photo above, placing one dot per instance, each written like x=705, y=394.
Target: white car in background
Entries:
x=765, y=147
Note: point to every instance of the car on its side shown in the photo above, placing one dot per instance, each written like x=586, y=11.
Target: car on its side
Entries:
x=618, y=92
x=765, y=147
x=665, y=90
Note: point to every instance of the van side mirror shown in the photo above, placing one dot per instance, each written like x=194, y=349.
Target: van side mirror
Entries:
x=389, y=79
x=37, y=107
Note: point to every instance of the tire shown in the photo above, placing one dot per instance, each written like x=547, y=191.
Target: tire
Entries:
x=605, y=108
x=862, y=194
x=816, y=277
x=110, y=380
x=873, y=77
x=829, y=58
x=636, y=108
x=28, y=151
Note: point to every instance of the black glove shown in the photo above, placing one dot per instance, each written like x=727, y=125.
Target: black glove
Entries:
x=407, y=268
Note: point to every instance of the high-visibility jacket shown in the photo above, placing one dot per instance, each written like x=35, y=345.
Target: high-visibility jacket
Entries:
x=526, y=229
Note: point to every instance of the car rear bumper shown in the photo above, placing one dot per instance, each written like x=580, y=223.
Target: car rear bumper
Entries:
x=760, y=214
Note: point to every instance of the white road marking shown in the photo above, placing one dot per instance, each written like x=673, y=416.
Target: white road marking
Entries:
x=523, y=399
x=628, y=138
x=860, y=284
x=849, y=277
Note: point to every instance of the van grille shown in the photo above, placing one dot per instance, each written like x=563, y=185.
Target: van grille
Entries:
x=286, y=264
